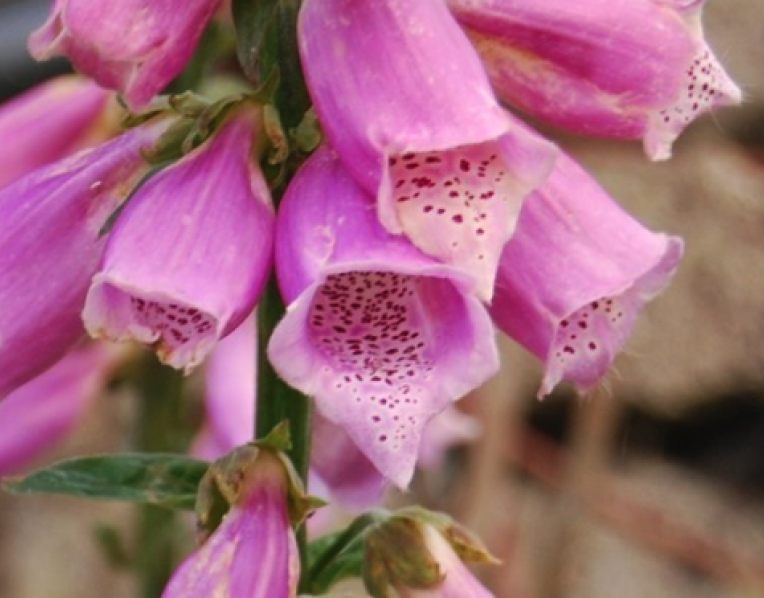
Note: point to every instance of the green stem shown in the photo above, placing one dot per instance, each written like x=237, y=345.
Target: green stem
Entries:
x=277, y=401
x=267, y=40
x=161, y=427
x=342, y=541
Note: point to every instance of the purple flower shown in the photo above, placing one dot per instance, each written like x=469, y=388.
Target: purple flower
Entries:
x=133, y=46
x=630, y=70
x=404, y=100
x=575, y=275
x=40, y=413
x=50, y=248
x=48, y=123
x=253, y=553
x=381, y=335
x=189, y=256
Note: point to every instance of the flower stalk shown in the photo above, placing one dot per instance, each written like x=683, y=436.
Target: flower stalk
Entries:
x=277, y=401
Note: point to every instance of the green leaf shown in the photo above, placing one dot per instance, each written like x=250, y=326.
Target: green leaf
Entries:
x=345, y=564
x=165, y=480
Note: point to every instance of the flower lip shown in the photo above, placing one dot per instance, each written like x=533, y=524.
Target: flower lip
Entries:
x=167, y=323
x=587, y=340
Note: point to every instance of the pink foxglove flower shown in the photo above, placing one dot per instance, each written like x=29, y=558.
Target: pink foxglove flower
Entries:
x=50, y=247
x=404, y=100
x=630, y=70
x=133, y=46
x=48, y=123
x=381, y=335
x=188, y=258
x=253, y=553
x=40, y=413
x=575, y=275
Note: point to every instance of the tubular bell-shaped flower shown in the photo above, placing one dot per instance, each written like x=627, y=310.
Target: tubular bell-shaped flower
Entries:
x=381, y=335
x=253, y=553
x=133, y=46
x=404, y=100
x=630, y=70
x=48, y=123
x=576, y=274
x=50, y=247
x=188, y=258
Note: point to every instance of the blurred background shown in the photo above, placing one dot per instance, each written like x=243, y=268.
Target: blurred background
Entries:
x=652, y=486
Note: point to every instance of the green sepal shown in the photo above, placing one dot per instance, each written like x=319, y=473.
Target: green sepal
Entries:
x=466, y=544
x=397, y=555
x=164, y=480
x=308, y=135
x=228, y=479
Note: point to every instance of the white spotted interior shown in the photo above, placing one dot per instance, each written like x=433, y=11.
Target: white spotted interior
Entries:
x=454, y=205
x=705, y=81
x=588, y=339
x=374, y=331
x=175, y=325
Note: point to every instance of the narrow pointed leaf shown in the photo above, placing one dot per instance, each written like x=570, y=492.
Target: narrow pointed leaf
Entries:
x=159, y=479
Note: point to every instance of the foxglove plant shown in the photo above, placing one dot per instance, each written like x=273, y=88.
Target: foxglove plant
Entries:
x=575, y=275
x=49, y=122
x=629, y=70
x=135, y=47
x=189, y=256
x=405, y=102
x=382, y=336
x=427, y=214
x=50, y=247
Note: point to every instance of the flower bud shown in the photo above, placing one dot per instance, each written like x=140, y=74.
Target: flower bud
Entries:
x=419, y=554
x=253, y=550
